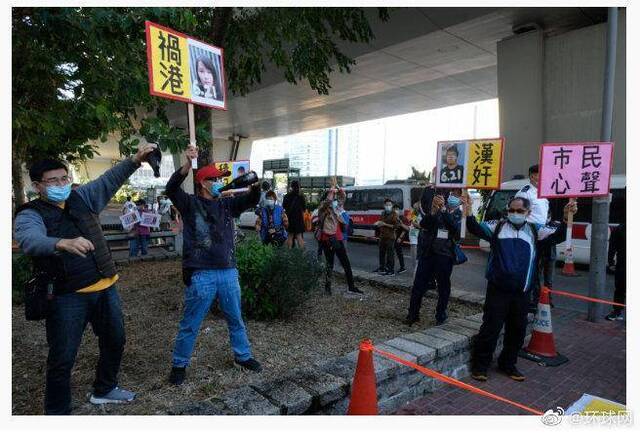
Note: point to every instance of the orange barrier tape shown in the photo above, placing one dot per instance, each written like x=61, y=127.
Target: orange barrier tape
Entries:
x=454, y=382
x=583, y=297
x=469, y=247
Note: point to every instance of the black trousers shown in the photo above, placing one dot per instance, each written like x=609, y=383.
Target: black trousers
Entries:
x=620, y=292
x=332, y=249
x=501, y=308
x=430, y=266
x=397, y=245
x=386, y=253
x=65, y=325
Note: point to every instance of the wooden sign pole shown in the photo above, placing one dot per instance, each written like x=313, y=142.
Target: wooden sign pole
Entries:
x=192, y=132
x=569, y=269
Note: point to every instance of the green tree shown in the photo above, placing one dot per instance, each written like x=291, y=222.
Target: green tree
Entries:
x=418, y=175
x=80, y=74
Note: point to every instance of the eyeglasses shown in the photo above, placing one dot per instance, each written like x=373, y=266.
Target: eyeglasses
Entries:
x=64, y=180
x=517, y=211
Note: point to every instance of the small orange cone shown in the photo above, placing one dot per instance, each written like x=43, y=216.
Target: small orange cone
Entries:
x=542, y=347
x=568, y=269
x=364, y=397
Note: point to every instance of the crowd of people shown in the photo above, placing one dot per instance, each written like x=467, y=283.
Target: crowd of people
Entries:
x=62, y=233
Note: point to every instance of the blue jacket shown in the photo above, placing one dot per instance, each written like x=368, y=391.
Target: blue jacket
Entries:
x=512, y=261
x=277, y=222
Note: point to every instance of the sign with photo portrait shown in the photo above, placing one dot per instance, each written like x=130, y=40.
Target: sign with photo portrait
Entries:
x=475, y=163
x=184, y=69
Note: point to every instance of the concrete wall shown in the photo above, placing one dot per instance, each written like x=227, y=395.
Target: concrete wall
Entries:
x=551, y=90
x=520, y=95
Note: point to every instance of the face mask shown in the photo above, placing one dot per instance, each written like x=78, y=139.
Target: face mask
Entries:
x=453, y=201
x=387, y=208
x=334, y=204
x=517, y=219
x=270, y=203
x=215, y=188
x=58, y=193
x=397, y=211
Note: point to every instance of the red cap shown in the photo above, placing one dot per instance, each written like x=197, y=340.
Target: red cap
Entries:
x=210, y=171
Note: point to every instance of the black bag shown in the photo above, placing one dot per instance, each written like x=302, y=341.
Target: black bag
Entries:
x=37, y=293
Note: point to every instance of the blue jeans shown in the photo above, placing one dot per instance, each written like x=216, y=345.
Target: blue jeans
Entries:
x=205, y=286
x=140, y=242
x=65, y=324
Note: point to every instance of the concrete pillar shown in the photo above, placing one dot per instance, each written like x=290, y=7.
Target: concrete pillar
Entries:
x=520, y=94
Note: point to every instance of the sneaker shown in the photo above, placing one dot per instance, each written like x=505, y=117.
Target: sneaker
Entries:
x=355, y=291
x=439, y=322
x=177, y=375
x=248, y=365
x=614, y=316
x=379, y=270
x=512, y=373
x=479, y=375
x=401, y=270
x=116, y=396
x=388, y=273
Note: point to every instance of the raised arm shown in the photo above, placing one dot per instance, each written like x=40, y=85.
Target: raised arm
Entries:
x=97, y=194
x=240, y=204
x=178, y=196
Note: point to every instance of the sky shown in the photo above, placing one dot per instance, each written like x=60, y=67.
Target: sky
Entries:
x=411, y=140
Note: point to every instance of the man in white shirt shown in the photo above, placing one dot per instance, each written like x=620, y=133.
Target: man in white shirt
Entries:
x=538, y=216
x=539, y=206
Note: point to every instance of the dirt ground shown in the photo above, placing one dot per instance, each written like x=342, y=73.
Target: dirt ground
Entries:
x=152, y=295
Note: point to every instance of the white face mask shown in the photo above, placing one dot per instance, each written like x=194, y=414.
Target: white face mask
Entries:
x=270, y=203
x=387, y=208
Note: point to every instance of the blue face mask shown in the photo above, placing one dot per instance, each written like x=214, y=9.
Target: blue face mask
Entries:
x=215, y=188
x=270, y=203
x=517, y=219
x=453, y=201
x=334, y=204
x=58, y=193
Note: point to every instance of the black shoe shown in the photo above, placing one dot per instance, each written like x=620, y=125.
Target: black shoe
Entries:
x=379, y=270
x=355, y=291
x=388, y=273
x=512, y=373
x=177, y=375
x=410, y=321
x=440, y=321
x=401, y=270
x=479, y=375
x=327, y=289
x=248, y=365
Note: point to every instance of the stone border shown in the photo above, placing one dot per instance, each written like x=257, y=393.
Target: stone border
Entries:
x=157, y=256
x=323, y=388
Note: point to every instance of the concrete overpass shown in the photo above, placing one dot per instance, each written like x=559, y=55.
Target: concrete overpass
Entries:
x=544, y=64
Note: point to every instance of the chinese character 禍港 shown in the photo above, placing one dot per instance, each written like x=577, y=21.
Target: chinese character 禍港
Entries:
x=173, y=78
x=170, y=48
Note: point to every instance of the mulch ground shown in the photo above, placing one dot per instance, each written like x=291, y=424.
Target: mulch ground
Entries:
x=152, y=294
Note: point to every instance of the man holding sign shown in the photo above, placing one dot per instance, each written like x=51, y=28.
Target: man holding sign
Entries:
x=511, y=264
x=208, y=261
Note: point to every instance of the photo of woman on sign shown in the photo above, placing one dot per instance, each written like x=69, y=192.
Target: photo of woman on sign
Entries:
x=207, y=84
x=451, y=171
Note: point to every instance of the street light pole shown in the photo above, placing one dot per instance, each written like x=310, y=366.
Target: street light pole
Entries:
x=600, y=210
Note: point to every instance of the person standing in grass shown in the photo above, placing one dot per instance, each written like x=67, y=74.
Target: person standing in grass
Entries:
x=208, y=262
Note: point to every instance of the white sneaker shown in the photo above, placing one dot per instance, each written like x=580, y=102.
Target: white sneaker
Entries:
x=116, y=396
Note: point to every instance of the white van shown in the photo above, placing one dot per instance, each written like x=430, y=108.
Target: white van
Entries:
x=365, y=203
x=581, y=233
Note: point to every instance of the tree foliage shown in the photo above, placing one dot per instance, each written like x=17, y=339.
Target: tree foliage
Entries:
x=80, y=74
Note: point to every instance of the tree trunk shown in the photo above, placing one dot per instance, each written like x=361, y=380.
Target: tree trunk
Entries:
x=17, y=181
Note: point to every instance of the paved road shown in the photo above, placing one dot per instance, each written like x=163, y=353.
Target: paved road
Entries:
x=469, y=276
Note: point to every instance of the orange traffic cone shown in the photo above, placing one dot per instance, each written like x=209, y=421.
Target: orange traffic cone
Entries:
x=568, y=269
x=364, y=397
x=542, y=347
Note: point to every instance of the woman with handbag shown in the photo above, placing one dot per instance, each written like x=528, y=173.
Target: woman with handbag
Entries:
x=331, y=239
